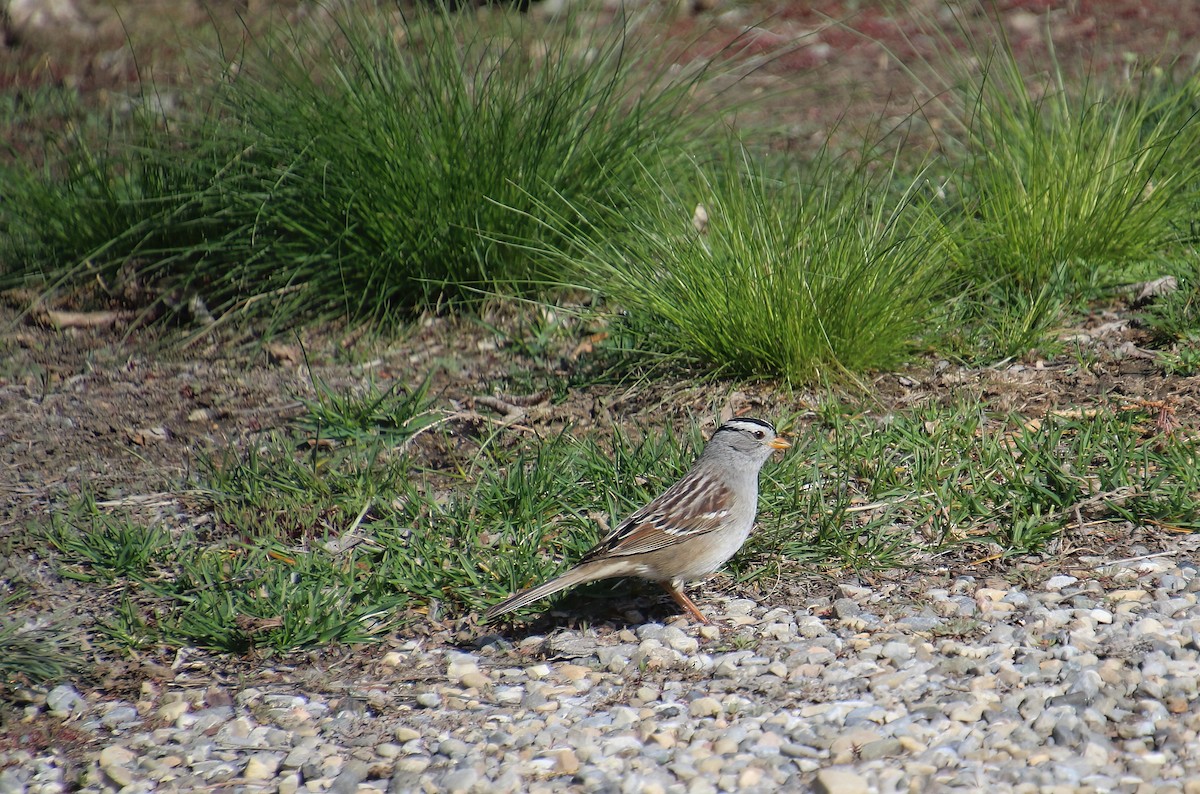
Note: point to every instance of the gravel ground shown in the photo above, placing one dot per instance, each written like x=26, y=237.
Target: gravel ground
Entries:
x=1083, y=681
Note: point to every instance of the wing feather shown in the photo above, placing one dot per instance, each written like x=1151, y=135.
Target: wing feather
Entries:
x=693, y=506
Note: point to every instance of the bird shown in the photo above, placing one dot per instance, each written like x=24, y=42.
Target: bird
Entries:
x=687, y=532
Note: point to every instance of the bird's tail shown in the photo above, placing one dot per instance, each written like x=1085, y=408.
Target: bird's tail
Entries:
x=578, y=575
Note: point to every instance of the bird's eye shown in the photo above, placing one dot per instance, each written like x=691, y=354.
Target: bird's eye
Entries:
x=760, y=435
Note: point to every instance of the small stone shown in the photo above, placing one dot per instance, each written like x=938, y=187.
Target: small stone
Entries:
x=429, y=700
x=920, y=623
x=413, y=764
x=289, y=783
x=705, y=707
x=739, y=606
x=261, y=766
x=566, y=762
x=573, y=672
x=898, y=651
x=648, y=694
x=777, y=631
x=331, y=765
x=116, y=755
x=354, y=772
x=846, y=608
x=793, y=750
x=750, y=778
x=881, y=748
x=120, y=775
x=989, y=594
x=676, y=640
x=725, y=746
x=840, y=781
x=63, y=701
x=404, y=734
x=1118, y=596
x=220, y=772
x=120, y=715
x=664, y=739
x=1059, y=582
x=459, y=781
x=1017, y=599
x=509, y=695
x=171, y=712
x=1147, y=627
x=454, y=748
x=968, y=713
x=475, y=680
x=649, y=631
x=458, y=668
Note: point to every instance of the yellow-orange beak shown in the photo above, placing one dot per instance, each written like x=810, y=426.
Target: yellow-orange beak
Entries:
x=779, y=442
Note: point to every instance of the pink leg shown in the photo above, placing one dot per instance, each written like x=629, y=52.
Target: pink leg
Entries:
x=683, y=601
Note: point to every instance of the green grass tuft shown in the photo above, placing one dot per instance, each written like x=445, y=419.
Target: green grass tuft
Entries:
x=1070, y=184
x=362, y=170
x=35, y=653
x=799, y=272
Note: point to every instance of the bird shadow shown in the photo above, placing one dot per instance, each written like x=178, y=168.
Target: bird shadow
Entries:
x=607, y=607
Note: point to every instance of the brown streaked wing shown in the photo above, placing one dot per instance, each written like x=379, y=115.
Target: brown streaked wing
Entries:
x=676, y=514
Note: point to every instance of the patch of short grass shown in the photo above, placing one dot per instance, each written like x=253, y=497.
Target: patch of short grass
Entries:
x=34, y=651
x=274, y=565
x=104, y=549
x=861, y=492
x=394, y=415
x=299, y=546
x=280, y=560
x=1173, y=317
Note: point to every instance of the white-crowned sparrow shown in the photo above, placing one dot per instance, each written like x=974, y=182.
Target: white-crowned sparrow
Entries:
x=687, y=532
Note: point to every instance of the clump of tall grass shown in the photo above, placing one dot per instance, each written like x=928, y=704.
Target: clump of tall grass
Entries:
x=1070, y=181
x=364, y=168
x=825, y=268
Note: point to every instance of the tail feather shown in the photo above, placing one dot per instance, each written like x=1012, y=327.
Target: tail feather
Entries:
x=579, y=575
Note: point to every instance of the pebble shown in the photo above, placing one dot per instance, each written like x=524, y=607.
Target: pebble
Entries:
x=705, y=707
x=261, y=766
x=1084, y=681
x=405, y=734
x=840, y=781
x=64, y=702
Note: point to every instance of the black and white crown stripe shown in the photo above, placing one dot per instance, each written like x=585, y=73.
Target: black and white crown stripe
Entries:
x=747, y=423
